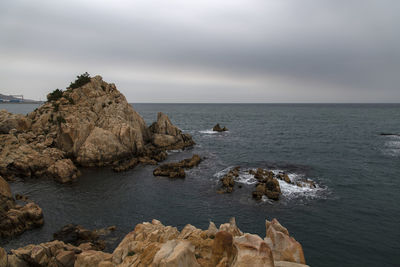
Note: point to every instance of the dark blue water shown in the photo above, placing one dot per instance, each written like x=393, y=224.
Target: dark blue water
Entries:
x=352, y=219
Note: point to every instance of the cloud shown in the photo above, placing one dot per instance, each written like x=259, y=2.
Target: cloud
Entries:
x=233, y=51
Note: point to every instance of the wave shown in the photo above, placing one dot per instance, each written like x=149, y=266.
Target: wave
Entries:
x=289, y=191
x=210, y=131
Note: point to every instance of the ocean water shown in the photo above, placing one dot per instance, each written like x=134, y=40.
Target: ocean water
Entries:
x=352, y=218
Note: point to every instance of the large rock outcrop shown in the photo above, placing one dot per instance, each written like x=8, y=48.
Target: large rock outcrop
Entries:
x=92, y=125
x=153, y=244
x=15, y=219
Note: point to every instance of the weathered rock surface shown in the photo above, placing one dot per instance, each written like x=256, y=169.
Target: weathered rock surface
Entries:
x=15, y=219
x=92, y=125
x=284, y=247
x=217, y=128
x=167, y=136
x=177, y=169
x=153, y=244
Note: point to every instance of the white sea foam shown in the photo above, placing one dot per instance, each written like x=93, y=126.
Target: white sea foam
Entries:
x=210, y=131
x=392, y=147
x=289, y=191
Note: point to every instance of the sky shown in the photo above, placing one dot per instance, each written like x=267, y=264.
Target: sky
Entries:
x=176, y=51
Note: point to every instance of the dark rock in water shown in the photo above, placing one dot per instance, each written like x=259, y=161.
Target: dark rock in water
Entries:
x=385, y=134
x=269, y=188
x=284, y=177
x=77, y=235
x=126, y=165
x=177, y=169
x=16, y=219
x=217, y=128
x=228, y=181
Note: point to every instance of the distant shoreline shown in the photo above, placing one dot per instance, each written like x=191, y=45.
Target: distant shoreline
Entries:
x=18, y=103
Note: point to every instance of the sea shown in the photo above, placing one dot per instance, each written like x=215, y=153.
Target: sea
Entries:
x=351, y=218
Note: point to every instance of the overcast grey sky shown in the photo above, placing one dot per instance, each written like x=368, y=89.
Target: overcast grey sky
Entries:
x=206, y=51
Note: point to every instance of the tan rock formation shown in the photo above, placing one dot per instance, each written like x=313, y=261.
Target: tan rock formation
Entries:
x=168, y=136
x=153, y=244
x=177, y=169
x=252, y=251
x=284, y=247
x=92, y=125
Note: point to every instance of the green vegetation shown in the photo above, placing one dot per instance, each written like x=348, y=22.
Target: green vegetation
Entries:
x=70, y=100
x=55, y=95
x=131, y=253
x=80, y=81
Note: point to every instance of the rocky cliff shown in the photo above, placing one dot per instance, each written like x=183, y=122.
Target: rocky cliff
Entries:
x=91, y=125
x=153, y=244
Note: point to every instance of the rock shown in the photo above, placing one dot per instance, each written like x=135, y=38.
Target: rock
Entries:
x=222, y=248
x=153, y=244
x=175, y=253
x=231, y=227
x=92, y=125
x=15, y=219
x=126, y=165
x=284, y=247
x=3, y=257
x=288, y=264
x=63, y=171
x=217, y=128
x=9, y=121
x=228, y=180
x=252, y=251
x=77, y=235
x=268, y=187
x=284, y=177
x=177, y=169
x=54, y=253
x=92, y=258
x=168, y=136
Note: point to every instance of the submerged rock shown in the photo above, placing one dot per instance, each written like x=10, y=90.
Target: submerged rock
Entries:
x=153, y=244
x=177, y=169
x=91, y=125
x=16, y=219
x=217, y=128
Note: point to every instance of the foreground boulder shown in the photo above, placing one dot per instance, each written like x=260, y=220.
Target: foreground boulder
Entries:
x=153, y=244
x=89, y=124
x=16, y=219
x=217, y=128
x=177, y=169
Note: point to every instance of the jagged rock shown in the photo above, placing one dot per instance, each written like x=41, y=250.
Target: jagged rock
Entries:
x=177, y=169
x=15, y=219
x=284, y=177
x=217, y=128
x=222, y=249
x=252, y=251
x=284, y=247
x=228, y=180
x=168, y=136
x=153, y=244
x=92, y=125
x=55, y=253
x=175, y=253
x=126, y=165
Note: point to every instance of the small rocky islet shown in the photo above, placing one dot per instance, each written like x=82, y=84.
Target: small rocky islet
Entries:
x=267, y=182
x=91, y=124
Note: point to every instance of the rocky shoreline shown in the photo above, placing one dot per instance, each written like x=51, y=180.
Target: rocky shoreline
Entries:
x=153, y=244
x=91, y=124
